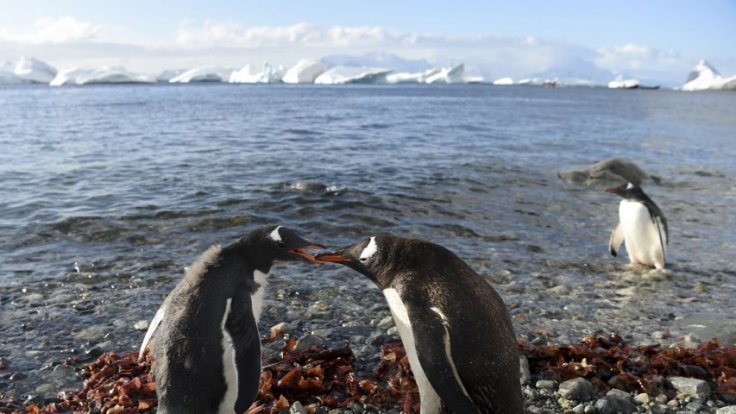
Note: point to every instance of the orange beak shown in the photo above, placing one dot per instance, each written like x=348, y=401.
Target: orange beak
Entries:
x=331, y=258
x=302, y=251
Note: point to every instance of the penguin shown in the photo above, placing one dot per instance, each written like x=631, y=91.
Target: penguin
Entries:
x=455, y=328
x=204, y=338
x=642, y=226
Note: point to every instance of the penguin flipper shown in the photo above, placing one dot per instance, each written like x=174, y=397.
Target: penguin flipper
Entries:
x=661, y=252
x=617, y=237
x=244, y=331
x=157, y=318
x=437, y=362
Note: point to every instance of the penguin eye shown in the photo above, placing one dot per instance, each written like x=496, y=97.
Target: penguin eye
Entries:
x=363, y=259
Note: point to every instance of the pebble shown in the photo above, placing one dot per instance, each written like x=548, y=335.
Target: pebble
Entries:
x=731, y=409
x=141, y=325
x=297, y=408
x=578, y=389
x=524, y=372
x=642, y=399
x=690, y=387
x=546, y=384
x=612, y=404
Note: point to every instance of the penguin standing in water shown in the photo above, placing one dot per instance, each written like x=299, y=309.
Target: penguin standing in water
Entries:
x=455, y=328
x=641, y=226
x=204, y=337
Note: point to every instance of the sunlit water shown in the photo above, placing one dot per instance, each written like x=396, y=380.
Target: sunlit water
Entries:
x=106, y=192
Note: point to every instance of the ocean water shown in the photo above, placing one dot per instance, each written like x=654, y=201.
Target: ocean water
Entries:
x=106, y=192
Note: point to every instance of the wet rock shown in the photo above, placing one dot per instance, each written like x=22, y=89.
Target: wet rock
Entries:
x=545, y=384
x=308, y=341
x=578, y=389
x=297, y=408
x=731, y=409
x=141, y=325
x=18, y=376
x=612, y=404
x=609, y=171
x=524, y=372
x=4, y=363
x=690, y=387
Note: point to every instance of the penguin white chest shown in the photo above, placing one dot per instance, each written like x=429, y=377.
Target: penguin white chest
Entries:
x=430, y=401
x=229, y=366
x=641, y=235
x=257, y=297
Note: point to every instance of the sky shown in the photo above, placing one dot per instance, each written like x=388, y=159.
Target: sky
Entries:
x=650, y=39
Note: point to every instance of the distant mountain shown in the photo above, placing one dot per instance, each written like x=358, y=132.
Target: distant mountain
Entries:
x=378, y=60
x=577, y=72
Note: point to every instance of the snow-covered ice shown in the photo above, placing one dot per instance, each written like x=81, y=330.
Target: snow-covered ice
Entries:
x=101, y=75
x=305, y=71
x=452, y=74
x=34, y=71
x=505, y=81
x=704, y=77
x=203, y=74
x=350, y=74
x=248, y=74
x=621, y=83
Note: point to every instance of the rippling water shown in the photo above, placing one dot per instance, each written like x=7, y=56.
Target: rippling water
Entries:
x=106, y=192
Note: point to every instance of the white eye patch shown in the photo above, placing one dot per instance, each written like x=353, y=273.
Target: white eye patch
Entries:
x=629, y=186
x=369, y=250
x=275, y=235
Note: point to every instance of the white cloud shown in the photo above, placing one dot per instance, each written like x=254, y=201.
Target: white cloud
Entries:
x=54, y=30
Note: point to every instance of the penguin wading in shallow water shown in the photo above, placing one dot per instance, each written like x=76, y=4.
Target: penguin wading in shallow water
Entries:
x=455, y=328
x=204, y=337
x=642, y=227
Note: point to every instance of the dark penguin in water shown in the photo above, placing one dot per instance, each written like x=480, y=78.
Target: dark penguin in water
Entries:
x=641, y=226
x=455, y=328
x=204, y=337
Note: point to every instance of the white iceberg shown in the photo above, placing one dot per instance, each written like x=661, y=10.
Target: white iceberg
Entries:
x=349, y=74
x=704, y=77
x=305, y=71
x=247, y=74
x=203, y=74
x=411, y=77
x=169, y=74
x=452, y=74
x=621, y=83
x=102, y=75
x=7, y=74
x=34, y=71
x=506, y=81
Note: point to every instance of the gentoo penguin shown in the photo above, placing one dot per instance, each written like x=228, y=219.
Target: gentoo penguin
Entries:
x=455, y=328
x=204, y=337
x=641, y=226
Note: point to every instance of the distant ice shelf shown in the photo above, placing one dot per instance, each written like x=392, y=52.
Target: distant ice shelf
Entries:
x=96, y=76
x=248, y=74
x=305, y=71
x=203, y=74
x=26, y=70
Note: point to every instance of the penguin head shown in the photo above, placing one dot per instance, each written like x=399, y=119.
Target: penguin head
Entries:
x=381, y=258
x=628, y=191
x=278, y=243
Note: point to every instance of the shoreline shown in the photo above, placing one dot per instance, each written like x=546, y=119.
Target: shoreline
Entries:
x=596, y=375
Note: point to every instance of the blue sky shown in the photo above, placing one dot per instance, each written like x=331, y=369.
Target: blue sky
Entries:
x=650, y=38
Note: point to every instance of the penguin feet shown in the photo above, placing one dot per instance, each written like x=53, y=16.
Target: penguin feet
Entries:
x=255, y=409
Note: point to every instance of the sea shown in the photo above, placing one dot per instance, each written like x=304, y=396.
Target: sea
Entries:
x=107, y=192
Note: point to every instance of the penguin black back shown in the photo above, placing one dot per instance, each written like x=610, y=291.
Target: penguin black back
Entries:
x=205, y=337
x=465, y=358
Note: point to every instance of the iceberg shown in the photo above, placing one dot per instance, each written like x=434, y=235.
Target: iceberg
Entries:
x=452, y=74
x=102, y=75
x=203, y=74
x=621, y=83
x=247, y=74
x=704, y=77
x=504, y=81
x=26, y=70
x=168, y=74
x=305, y=71
x=349, y=74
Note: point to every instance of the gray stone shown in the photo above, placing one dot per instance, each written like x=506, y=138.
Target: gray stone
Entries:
x=4, y=363
x=524, y=373
x=613, y=405
x=731, y=409
x=141, y=325
x=578, y=389
x=616, y=393
x=308, y=341
x=385, y=323
x=690, y=387
x=297, y=408
x=546, y=384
